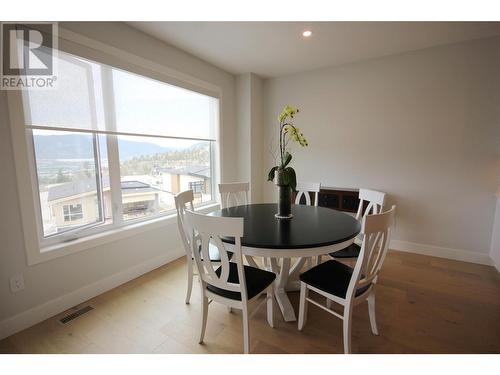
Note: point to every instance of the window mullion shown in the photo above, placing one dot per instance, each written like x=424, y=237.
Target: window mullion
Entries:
x=98, y=175
x=112, y=146
x=115, y=179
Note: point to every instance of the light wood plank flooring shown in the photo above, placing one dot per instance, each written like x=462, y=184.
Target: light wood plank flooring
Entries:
x=424, y=305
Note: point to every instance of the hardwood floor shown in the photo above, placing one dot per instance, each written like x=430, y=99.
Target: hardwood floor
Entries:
x=424, y=305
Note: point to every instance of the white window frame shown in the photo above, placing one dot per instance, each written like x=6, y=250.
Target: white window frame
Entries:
x=38, y=251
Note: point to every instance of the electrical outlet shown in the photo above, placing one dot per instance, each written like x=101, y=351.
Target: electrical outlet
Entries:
x=16, y=283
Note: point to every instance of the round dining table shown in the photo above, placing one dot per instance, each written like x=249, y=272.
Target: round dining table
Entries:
x=312, y=231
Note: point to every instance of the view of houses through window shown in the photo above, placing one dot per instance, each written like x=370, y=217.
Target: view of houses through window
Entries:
x=151, y=174
x=157, y=171
x=67, y=172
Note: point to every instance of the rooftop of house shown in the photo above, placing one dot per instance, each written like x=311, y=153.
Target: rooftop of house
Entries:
x=80, y=187
x=201, y=171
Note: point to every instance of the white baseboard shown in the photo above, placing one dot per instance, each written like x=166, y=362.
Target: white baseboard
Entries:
x=495, y=264
x=441, y=252
x=53, y=307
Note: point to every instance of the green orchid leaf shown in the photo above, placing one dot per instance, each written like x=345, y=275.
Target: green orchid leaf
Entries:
x=288, y=158
x=270, y=175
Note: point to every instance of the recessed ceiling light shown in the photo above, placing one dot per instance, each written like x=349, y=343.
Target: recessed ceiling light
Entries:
x=307, y=33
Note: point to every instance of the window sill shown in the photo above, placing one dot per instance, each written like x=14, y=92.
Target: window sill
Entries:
x=55, y=251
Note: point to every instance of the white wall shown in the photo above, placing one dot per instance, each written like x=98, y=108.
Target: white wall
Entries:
x=50, y=280
x=256, y=136
x=495, y=238
x=422, y=126
x=249, y=110
x=244, y=124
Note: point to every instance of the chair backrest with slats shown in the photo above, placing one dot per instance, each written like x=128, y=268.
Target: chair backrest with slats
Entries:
x=376, y=233
x=375, y=199
x=183, y=202
x=233, y=194
x=210, y=229
x=303, y=190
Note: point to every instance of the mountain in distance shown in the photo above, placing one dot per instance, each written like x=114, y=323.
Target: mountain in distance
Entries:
x=80, y=146
x=130, y=149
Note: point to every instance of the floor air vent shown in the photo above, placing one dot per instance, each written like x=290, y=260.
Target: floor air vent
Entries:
x=76, y=314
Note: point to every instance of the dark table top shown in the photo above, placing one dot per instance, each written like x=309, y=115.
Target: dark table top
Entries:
x=310, y=227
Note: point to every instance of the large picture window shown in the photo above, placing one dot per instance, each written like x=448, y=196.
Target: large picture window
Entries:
x=110, y=147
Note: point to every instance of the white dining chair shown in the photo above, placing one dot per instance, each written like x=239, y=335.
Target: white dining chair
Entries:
x=303, y=190
x=184, y=201
x=374, y=201
x=232, y=284
x=347, y=286
x=236, y=194
x=233, y=194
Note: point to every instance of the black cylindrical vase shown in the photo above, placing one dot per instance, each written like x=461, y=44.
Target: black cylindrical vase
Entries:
x=284, y=197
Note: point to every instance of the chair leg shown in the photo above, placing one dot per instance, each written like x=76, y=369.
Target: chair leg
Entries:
x=309, y=263
x=347, y=329
x=371, y=313
x=303, y=304
x=246, y=331
x=274, y=265
x=270, y=305
x=204, y=314
x=190, y=280
x=266, y=263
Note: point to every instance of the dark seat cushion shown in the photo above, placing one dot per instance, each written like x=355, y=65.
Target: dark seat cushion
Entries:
x=257, y=280
x=352, y=251
x=331, y=277
x=213, y=251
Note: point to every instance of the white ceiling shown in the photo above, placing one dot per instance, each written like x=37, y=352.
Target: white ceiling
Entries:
x=273, y=49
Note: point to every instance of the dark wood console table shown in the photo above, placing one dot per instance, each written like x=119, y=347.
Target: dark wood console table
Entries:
x=341, y=199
